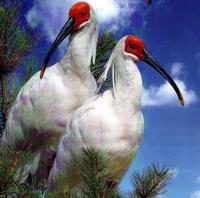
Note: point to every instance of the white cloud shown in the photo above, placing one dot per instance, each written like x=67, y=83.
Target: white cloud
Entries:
x=177, y=69
x=165, y=95
x=175, y=172
x=50, y=15
x=195, y=194
x=160, y=196
x=198, y=180
x=111, y=10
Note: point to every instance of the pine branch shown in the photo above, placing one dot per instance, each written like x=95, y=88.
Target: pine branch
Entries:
x=151, y=182
x=14, y=41
x=95, y=180
x=10, y=164
x=15, y=45
x=106, y=44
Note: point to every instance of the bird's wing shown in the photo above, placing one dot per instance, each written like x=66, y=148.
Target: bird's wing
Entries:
x=22, y=116
x=70, y=147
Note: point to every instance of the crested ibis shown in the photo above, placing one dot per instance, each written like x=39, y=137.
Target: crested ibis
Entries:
x=43, y=106
x=111, y=121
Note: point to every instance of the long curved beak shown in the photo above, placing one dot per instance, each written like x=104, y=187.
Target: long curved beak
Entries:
x=149, y=59
x=66, y=30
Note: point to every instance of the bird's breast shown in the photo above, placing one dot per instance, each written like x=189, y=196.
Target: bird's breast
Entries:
x=120, y=139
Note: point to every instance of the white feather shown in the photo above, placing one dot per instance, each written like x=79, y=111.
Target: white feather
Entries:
x=42, y=108
x=111, y=124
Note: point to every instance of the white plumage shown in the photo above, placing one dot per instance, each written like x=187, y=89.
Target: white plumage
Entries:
x=43, y=107
x=111, y=122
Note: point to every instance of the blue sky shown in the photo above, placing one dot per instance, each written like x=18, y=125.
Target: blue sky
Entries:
x=170, y=29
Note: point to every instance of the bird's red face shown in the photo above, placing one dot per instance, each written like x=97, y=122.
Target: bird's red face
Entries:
x=134, y=46
x=81, y=14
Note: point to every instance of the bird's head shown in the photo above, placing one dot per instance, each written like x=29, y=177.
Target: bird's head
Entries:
x=133, y=48
x=136, y=50
x=81, y=14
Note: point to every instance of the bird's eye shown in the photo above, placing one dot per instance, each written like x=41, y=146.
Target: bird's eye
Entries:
x=133, y=46
x=83, y=13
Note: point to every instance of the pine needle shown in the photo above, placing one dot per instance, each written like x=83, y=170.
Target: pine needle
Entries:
x=95, y=180
x=106, y=44
x=151, y=182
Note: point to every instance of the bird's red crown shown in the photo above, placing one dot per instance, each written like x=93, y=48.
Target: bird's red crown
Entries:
x=134, y=45
x=81, y=13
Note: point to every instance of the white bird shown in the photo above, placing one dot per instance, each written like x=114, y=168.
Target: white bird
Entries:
x=42, y=108
x=112, y=121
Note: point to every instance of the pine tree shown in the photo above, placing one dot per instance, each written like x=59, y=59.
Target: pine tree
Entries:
x=151, y=182
x=15, y=44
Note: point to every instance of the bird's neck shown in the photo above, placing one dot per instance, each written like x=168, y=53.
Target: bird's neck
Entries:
x=128, y=88
x=81, y=49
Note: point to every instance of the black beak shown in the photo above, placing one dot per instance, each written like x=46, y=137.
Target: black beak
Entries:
x=66, y=30
x=149, y=59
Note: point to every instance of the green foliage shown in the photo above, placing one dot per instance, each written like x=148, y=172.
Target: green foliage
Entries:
x=94, y=176
x=14, y=41
x=93, y=171
x=106, y=44
x=15, y=44
x=151, y=182
x=10, y=163
x=97, y=183
x=30, y=70
x=11, y=88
